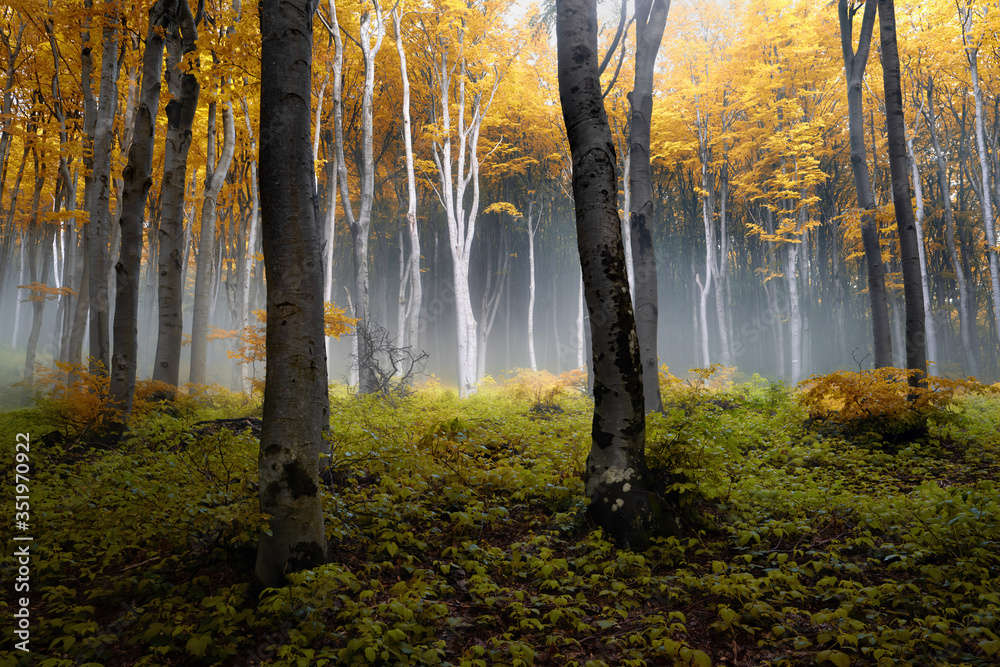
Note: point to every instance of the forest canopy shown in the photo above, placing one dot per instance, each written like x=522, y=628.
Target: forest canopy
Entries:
x=450, y=177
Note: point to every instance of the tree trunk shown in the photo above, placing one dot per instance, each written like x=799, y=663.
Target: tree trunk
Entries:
x=854, y=66
x=909, y=245
x=246, y=279
x=719, y=270
x=580, y=358
x=918, y=190
x=794, y=312
x=707, y=213
x=360, y=226
x=461, y=210
x=214, y=180
x=98, y=230
x=39, y=239
x=137, y=178
x=415, y=298
x=965, y=318
x=651, y=20
x=296, y=405
x=180, y=111
x=531, y=287
x=616, y=479
x=81, y=312
x=985, y=194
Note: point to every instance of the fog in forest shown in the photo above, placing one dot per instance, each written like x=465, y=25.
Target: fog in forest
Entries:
x=836, y=334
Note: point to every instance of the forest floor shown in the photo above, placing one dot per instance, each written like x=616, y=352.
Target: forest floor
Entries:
x=459, y=536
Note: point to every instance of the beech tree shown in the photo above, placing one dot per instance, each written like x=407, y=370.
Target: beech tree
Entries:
x=973, y=42
x=98, y=124
x=370, y=42
x=469, y=87
x=916, y=351
x=650, y=21
x=215, y=176
x=617, y=481
x=138, y=178
x=854, y=65
x=412, y=292
x=296, y=405
x=183, y=86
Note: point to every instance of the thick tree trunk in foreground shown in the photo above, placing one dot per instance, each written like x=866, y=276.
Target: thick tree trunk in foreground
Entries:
x=854, y=66
x=651, y=20
x=296, y=405
x=138, y=178
x=909, y=245
x=617, y=480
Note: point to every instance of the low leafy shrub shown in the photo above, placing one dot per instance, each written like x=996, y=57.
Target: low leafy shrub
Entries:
x=878, y=407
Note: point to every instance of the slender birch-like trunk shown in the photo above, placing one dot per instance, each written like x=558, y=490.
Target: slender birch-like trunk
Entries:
x=707, y=213
x=98, y=230
x=214, y=180
x=965, y=318
x=985, y=193
x=415, y=297
x=461, y=211
x=918, y=191
x=581, y=361
x=531, y=287
x=38, y=239
x=719, y=269
x=253, y=228
x=794, y=314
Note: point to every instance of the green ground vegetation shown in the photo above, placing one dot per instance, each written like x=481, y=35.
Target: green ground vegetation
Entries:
x=459, y=534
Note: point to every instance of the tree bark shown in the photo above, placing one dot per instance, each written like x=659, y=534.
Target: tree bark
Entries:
x=138, y=177
x=180, y=111
x=214, y=180
x=965, y=318
x=253, y=227
x=39, y=240
x=415, y=297
x=372, y=27
x=616, y=478
x=909, y=245
x=98, y=230
x=707, y=214
x=854, y=66
x=925, y=289
x=985, y=194
x=532, y=228
x=296, y=405
x=651, y=20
